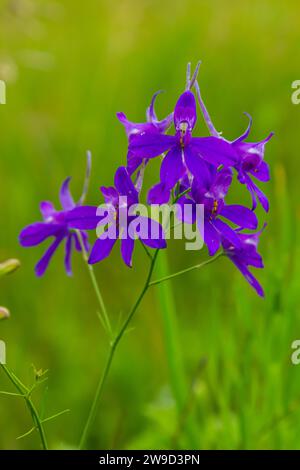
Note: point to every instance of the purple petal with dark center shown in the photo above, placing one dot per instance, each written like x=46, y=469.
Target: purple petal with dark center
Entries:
x=47, y=209
x=185, y=111
x=240, y=215
x=36, y=233
x=125, y=186
x=101, y=248
x=127, y=246
x=149, y=145
x=214, y=150
x=65, y=196
x=42, y=265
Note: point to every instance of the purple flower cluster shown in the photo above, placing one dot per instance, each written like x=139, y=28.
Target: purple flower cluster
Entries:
x=194, y=170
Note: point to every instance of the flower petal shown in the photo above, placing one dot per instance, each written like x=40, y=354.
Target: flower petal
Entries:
x=215, y=150
x=47, y=209
x=127, y=246
x=249, y=277
x=185, y=111
x=159, y=194
x=83, y=218
x=262, y=172
x=162, y=125
x=101, y=248
x=36, y=233
x=247, y=131
x=110, y=194
x=198, y=167
x=42, y=265
x=211, y=238
x=149, y=145
x=172, y=168
x=254, y=189
x=125, y=186
x=152, y=233
x=227, y=232
x=186, y=211
x=240, y=215
x=68, y=254
x=133, y=162
x=65, y=196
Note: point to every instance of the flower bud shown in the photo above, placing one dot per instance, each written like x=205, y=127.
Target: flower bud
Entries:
x=4, y=313
x=9, y=266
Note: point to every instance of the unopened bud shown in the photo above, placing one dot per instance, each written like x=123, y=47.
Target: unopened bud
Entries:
x=9, y=266
x=4, y=313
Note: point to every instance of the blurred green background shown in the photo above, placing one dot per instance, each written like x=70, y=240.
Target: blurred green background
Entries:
x=69, y=67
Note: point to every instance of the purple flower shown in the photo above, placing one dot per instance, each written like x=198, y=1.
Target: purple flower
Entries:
x=250, y=162
x=119, y=202
x=210, y=191
x=56, y=225
x=246, y=255
x=186, y=154
x=153, y=125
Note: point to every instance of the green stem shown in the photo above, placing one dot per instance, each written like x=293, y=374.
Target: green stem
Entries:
x=184, y=271
x=113, y=347
x=104, y=317
x=33, y=411
x=177, y=374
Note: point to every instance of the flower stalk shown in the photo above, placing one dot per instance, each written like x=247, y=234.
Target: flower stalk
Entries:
x=112, y=350
x=25, y=393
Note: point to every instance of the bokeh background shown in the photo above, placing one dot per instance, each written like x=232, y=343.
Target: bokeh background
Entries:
x=207, y=364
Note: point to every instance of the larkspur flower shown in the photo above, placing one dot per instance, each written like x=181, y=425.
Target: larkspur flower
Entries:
x=119, y=199
x=153, y=126
x=185, y=153
x=250, y=162
x=210, y=191
x=55, y=225
x=246, y=255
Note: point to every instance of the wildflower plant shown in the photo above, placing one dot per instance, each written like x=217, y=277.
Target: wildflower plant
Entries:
x=195, y=171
